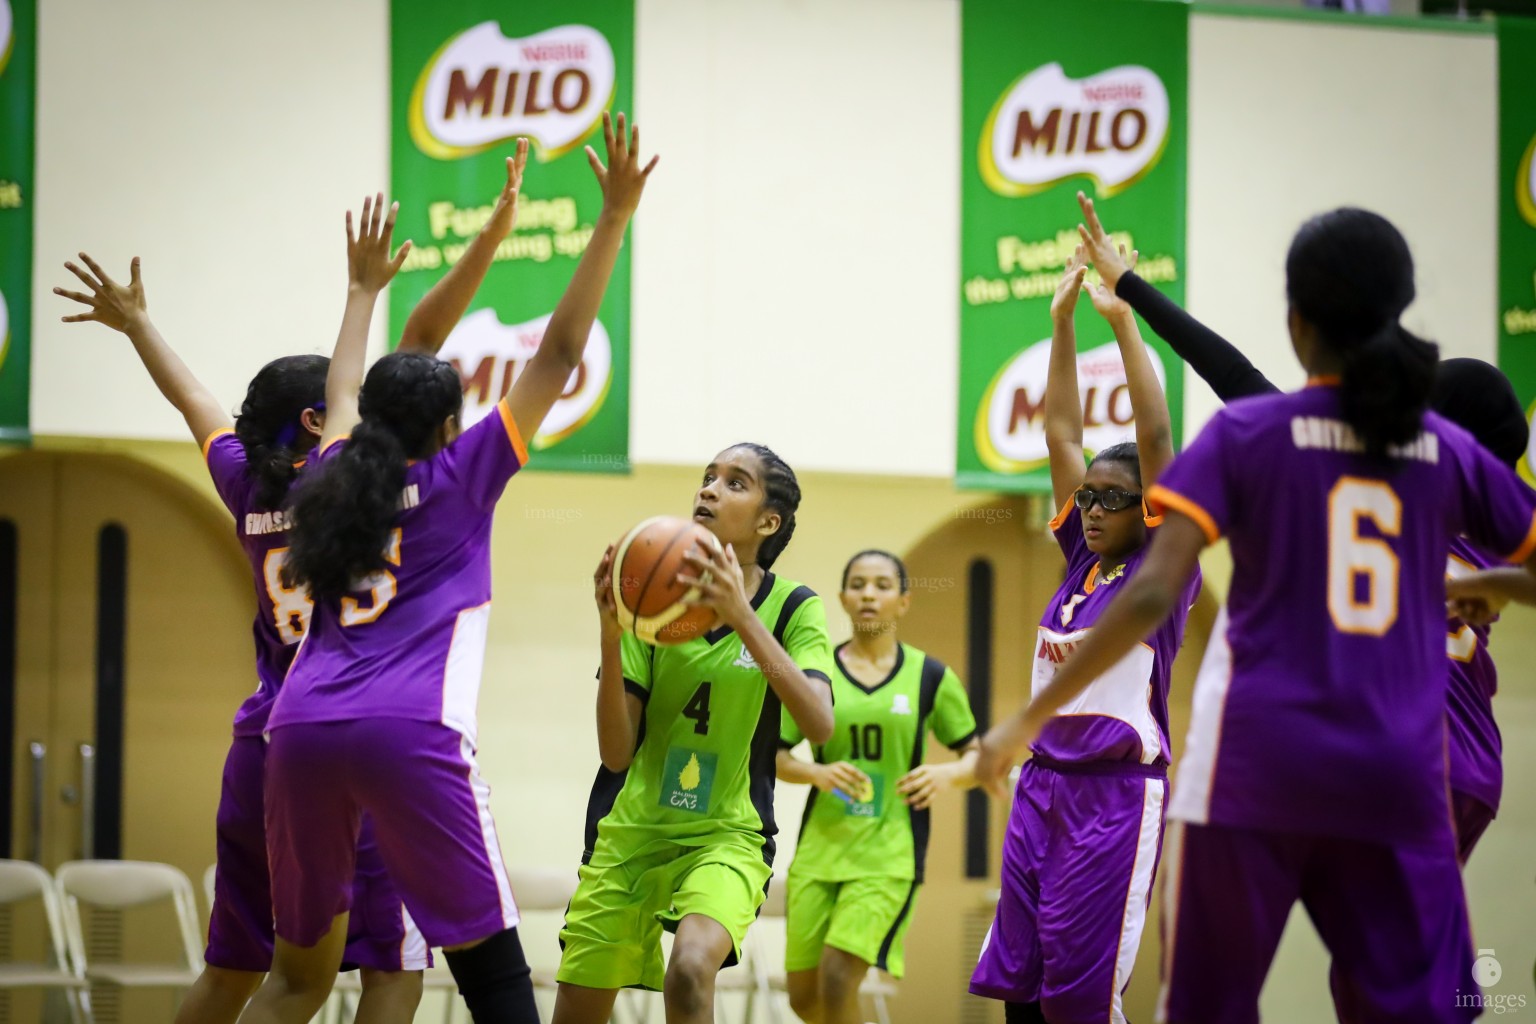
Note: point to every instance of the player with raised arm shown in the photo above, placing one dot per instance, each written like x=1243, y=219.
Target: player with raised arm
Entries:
x=1086, y=829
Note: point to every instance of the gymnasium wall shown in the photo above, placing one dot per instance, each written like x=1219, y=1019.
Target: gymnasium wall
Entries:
x=799, y=236
x=803, y=221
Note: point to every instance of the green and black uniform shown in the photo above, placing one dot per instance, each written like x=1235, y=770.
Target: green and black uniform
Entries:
x=688, y=828
x=860, y=856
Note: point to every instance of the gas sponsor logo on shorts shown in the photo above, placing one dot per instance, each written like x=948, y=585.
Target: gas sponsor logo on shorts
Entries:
x=490, y=355
x=1010, y=419
x=1111, y=127
x=687, y=778
x=482, y=88
x=1487, y=972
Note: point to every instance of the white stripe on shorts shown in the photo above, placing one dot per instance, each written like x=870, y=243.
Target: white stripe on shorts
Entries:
x=1197, y=769
x=493, y=858
x=413, y=947
x=1138, y=894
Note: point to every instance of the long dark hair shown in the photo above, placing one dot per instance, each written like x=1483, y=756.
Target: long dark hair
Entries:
x=781, y=492
x=269, y=425
x=1474, y=395
x=344, y=510
x=1350, y=275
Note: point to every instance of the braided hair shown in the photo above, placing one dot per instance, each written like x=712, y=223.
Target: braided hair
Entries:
x=781, y=492
x=270, y=427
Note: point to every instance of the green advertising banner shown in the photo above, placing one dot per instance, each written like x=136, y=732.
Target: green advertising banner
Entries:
x=1060, y=96
x=18, y=86
x=1517, y=213
x=468, y=78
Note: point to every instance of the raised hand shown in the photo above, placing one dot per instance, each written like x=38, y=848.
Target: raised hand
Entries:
x=1064, y=302
x=623, y=179
x=602, y=583
x=1105, y=302
x=369, y=266
x=721, y=583
x=117, y=306
x=504, y=216
x=1106, y=257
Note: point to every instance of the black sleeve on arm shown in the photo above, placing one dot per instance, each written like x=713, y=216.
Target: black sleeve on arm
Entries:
x=1214, y=358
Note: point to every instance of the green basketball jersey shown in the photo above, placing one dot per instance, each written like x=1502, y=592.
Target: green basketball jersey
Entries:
x=881, y=729
x=704, y=766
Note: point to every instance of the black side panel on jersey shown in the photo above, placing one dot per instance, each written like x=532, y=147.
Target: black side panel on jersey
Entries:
x=606, y=787
x=928, y=694
x=763, y=760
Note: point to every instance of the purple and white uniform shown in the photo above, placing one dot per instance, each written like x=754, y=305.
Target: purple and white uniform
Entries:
x=1086, y=828
x=1476, y=749
x=377, y=714
x=381, y=935
x=1315, y=765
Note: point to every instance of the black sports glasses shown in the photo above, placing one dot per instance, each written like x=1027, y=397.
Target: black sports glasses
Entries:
x=1112, y=498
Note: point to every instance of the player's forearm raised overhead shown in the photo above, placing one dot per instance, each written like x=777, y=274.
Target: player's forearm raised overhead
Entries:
x=622, y=181
x=124, y=308
x=440, y=310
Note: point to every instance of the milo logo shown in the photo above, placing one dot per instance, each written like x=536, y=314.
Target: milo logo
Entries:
x=490, y=355
x=1010, y=421
x=1525, y=184
x=5, y=321
x=1111, y=127
x=482, y=88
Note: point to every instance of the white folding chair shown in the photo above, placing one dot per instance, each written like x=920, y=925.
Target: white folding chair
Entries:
x=547, y=891
x=209, y=877
x=120, y=885
x=22, y=881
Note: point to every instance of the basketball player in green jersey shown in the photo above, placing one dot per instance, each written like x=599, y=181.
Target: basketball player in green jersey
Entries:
x=863, y=840
x=680, y=824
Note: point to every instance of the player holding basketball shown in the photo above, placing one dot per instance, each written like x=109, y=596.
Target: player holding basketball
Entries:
x=864, y=837
x=253, y=466
x=680, y=824
x=391, y=534
x=1307, y=774
x=1468, y=392
x=1086, y=829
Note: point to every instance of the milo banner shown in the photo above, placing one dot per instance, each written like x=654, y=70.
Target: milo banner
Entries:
x=18, y=77
x=1060, y=96
x=468, y=78
x=1517, y=213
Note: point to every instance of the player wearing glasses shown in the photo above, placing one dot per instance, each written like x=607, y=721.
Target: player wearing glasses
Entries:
x=1087, y=822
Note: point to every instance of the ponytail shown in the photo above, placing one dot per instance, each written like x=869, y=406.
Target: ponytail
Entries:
x=1387, y=382
x=343, y=514
x=1349, y=274
x=270, y=422
x=781, y=492
x=344, y=510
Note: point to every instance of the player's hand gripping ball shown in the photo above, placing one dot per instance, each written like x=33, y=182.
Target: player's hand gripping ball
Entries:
x=649, y=601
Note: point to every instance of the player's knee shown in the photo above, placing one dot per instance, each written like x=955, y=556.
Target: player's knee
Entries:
x=231, y=983
x=806, y=1002
x=840, y=979
x=690, y=983
x=401, y=988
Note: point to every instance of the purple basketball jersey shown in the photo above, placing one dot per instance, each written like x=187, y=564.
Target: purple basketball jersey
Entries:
x=1321, y=707
x=1123, y=714
x=282, y=613
x=409, y=642
x=1475, y=748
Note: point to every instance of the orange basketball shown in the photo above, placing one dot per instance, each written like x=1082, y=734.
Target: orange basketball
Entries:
x=646, y=563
